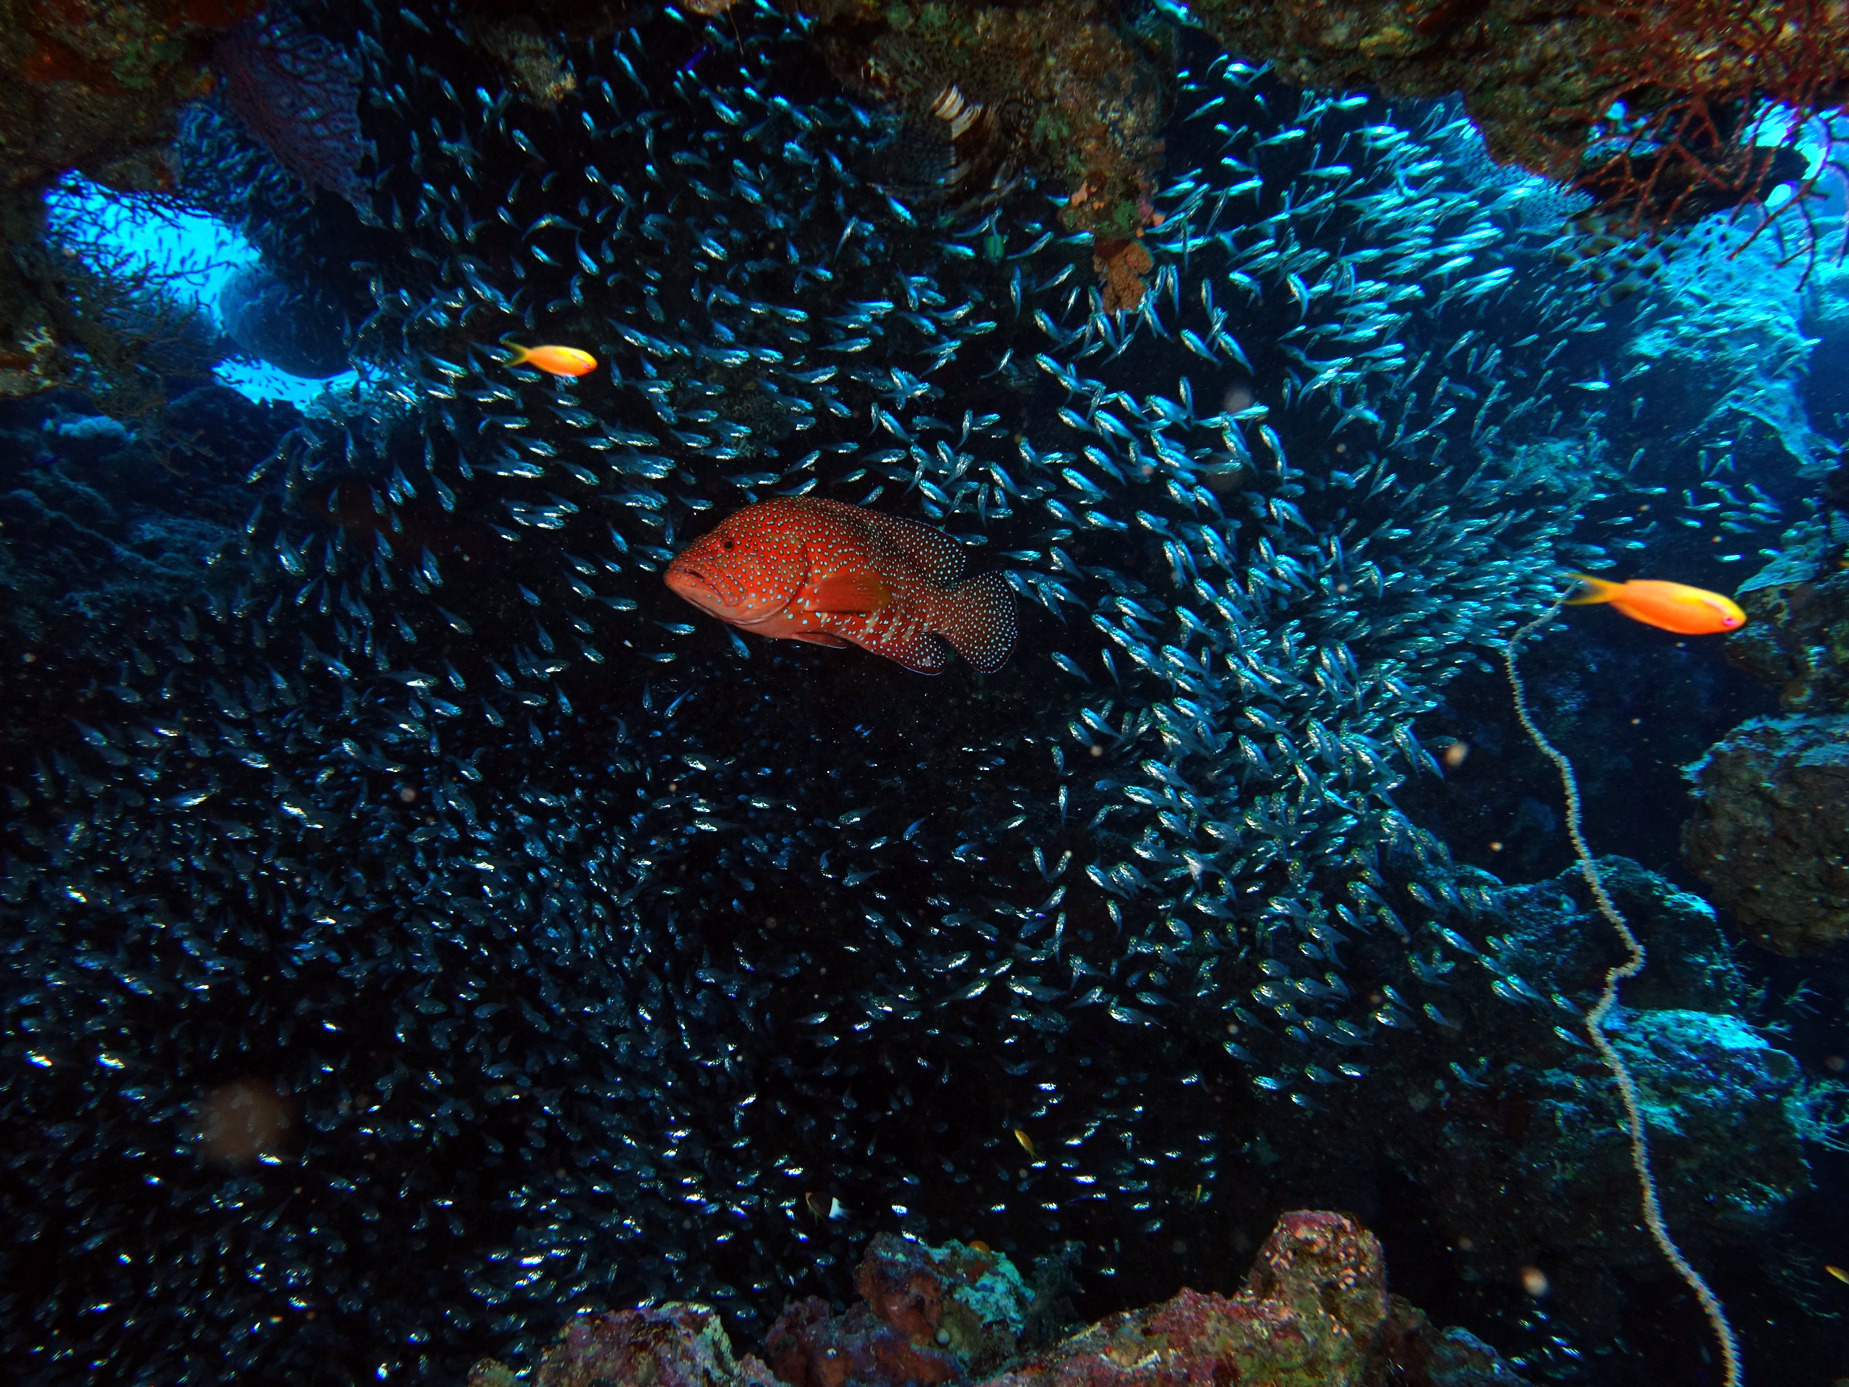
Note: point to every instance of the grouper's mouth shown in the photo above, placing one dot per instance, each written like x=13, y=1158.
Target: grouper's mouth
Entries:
x=696, y=587
x=713, y=594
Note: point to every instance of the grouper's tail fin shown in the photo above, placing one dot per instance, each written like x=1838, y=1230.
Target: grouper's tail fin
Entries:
x=977, y=618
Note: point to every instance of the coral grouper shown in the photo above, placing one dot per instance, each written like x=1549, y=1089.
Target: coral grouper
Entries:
x=834, y=574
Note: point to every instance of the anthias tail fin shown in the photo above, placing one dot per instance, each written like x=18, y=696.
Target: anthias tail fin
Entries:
x=1591, y=590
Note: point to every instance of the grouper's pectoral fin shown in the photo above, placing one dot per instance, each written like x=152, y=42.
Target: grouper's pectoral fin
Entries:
x=823, y=638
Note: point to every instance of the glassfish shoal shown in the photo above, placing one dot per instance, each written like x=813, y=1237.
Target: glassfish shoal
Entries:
x=810, y=569
x=1669, y=606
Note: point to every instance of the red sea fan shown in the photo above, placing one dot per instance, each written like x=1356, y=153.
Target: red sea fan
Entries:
x=298, y=93
x=1719, y=103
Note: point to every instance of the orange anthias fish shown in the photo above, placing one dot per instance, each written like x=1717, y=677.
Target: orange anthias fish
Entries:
x=554, y=361
x=1670, y=606
x=821, y=571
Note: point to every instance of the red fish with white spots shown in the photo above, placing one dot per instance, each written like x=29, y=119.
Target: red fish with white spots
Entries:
x=809, y=569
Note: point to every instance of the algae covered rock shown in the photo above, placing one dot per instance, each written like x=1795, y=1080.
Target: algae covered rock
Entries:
x=1314, y=1309
x=1797, y=633
x=928, y=1314
x=1727, y=1117
x=678, y=1344
x=1771, y=831
x=1720, y=1099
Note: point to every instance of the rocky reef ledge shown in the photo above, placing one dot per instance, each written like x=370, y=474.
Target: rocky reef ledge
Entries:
x=1315, y=1309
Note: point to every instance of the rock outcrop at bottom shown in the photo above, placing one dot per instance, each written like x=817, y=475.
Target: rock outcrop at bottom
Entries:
x=1314, y=1310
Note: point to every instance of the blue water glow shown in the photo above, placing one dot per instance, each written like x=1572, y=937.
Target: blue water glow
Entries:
x=193, y=253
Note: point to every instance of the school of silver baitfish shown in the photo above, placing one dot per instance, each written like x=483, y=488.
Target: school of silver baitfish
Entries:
x=608, y=953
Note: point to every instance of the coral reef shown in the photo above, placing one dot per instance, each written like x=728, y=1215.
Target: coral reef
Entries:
x=305, y=296
x=1077, y=91
x=1718, y=1099
x=533, y=61
x=1314, y=1309
x=1770, y=835
x=1826, y=319
x=99, y=520
x=569, y=21
x=1724, y=356
x=93, y=83
x=1601, y=1015
x=599, y=954
x=1516, y=1147
x=129, y=329
x=1767, y=834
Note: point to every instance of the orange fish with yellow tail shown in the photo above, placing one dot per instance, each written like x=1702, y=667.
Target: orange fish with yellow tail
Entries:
x=553, y=360
x=1669, y=606
x=821, y=571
